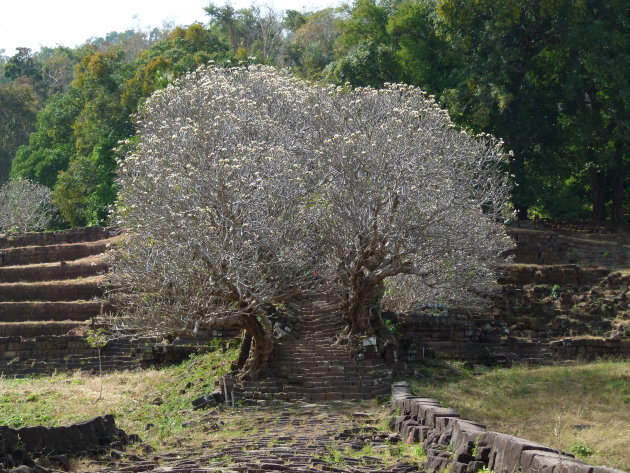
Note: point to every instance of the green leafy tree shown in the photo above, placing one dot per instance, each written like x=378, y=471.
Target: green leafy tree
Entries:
x=51, y=146
x=424, y=56
x=312, y=45
x=22, y=64
x=514, y=56
x=366, y=54
x=596, y=104
x=18, y=108
x=236, y=26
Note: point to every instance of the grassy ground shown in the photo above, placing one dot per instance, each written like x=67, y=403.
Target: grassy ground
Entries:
x=156, y=404
x=153, y=403
x=582, y=408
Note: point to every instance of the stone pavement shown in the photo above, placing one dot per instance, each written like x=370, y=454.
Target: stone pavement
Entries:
x=337, y=437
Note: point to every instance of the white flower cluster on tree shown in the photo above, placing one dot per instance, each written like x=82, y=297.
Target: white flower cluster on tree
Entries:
x=246, y=183
x=24, y=206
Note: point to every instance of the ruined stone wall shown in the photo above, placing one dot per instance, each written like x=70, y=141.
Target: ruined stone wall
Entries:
x=590, y=348
x=547, y=247
x=488, y=341
x=456, y=336
x=85, y=437
x=458, y=445
x=44, y=355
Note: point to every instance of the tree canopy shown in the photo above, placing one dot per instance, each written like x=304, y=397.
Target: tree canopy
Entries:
x=245, y=183
x=548, y=77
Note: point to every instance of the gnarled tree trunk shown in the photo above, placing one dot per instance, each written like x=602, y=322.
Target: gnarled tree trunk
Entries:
x=257, y=341
x=261, y=333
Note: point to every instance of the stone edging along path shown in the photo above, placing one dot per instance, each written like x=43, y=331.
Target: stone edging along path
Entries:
x=463, y=446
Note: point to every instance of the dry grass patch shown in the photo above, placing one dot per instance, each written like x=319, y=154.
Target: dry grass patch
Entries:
x=583, y=408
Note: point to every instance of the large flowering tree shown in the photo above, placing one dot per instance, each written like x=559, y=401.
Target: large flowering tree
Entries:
x=245, y=182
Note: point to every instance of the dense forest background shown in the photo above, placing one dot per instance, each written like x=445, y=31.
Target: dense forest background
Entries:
x=550, y=77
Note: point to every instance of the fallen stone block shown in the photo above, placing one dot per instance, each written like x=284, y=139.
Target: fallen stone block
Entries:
x=84, y=437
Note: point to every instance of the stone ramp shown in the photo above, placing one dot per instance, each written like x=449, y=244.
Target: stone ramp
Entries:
x=308, y=365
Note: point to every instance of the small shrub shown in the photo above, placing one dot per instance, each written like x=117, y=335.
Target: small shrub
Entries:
x=556, y=290
x=581, y=450
x=607, y=310
x=24, y=206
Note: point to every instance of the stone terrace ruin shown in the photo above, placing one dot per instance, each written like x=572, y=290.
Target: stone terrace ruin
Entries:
x=50, y=293
x=562, y=284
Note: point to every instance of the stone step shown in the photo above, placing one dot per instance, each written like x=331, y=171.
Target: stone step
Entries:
x=65, y=290
x=35, y=329
x=57, y=238
x=85, y=267
x=51, y=311
x=54, y=253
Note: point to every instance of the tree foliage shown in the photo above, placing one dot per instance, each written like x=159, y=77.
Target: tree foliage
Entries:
x=245, y=182
x=18, y=108
x=72, y=148
x=550, y=77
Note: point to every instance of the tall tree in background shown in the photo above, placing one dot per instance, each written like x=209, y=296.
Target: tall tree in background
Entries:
x=549, y=77
x=23, y=64
x=237, y=26
x=51, y=146
x=366, y=55
x=510, y=80
x=312, y=42
x=18, y=108
x=595, y=104
x=425, y=57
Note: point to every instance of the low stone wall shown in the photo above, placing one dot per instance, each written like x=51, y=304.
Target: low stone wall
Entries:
x=457, y=445
x=590, y=348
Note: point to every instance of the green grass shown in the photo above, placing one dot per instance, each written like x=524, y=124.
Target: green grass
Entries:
x=390, y=455
x=160, y=397
x=582, y=407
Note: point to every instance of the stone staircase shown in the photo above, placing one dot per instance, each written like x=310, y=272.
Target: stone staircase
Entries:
x=50, y=289
x=308, y=365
